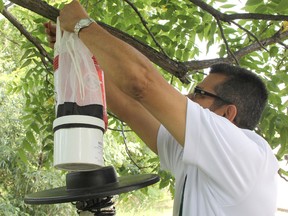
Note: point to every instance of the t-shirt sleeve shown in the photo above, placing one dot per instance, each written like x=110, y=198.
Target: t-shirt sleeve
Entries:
x=221, y=150
x=169, y=151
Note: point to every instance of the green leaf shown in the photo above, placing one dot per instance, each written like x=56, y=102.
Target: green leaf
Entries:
x=48, y=147
x=35, y=127
x=1, y=5
x=153, y=160
x=164, y=183
x=253, y=2
x=284, y=137
x=273, y=51
x=282, y=6
x=30, y=137
x=229, y=31
x=165, y=28
x=22, y=156
x=27, y=146
x=26, y=54
x=228, y=6
x=26, y=63
x=261, y=9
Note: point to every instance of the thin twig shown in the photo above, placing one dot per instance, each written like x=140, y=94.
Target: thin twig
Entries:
x=280, y=174
x=144, y=22
x=281, y=63
x=225, y=41
x=18, y=25
x=119, y=130
x=128, y=151
x=229, y=17
x=8, y=38
x=126, y=147
x=281, y=43
x=172, y=80
x=115, y=117
x=250, y=33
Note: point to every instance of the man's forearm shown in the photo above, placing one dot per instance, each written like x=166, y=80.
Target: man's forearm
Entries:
x=133, y=113
x=129, y=69
x=131, y=72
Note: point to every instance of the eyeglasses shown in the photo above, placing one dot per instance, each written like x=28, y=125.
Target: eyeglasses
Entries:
x=199, y=91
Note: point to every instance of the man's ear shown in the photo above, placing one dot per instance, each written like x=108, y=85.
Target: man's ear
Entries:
x=230, y=112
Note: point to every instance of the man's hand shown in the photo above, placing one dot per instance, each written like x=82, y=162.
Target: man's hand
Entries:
x=50, y=30
x=71, y=14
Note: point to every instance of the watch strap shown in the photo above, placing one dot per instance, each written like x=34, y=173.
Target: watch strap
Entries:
x=82, y=23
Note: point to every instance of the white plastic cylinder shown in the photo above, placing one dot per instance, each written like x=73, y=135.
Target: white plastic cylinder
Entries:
x=78, y=143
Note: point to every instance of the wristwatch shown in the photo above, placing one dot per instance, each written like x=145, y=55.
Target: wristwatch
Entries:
x=82, y=23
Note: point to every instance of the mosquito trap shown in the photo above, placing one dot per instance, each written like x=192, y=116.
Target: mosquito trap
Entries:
x=81, y=121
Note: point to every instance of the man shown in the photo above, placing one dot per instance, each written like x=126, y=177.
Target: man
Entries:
x=221, y=167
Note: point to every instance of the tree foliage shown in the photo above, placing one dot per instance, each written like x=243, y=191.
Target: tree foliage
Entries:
x=182, y=38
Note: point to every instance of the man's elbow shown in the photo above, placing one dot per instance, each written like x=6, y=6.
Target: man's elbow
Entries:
x=138, y=84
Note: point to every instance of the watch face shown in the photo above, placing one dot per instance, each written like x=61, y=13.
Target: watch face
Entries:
x=82, y=24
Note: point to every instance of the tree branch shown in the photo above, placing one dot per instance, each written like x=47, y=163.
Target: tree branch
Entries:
x=265, y=42
x=171, y=66
x=197, y=65
x=282, y=44
x=255, y=16
x=249, y=33
x=176, y=68
x=229, y=17
x=40, y=7
x=181, y=70
x=127, y=148
x=226, y=43
x=144, y=22
x=33, y=40
x=4, y=35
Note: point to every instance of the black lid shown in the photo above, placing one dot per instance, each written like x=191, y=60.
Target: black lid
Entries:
x=91, y=184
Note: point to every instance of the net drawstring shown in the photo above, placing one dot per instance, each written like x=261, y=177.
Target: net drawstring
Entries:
x=75, y=60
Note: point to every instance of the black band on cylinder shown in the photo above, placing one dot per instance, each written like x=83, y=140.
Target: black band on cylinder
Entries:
x=77, y=125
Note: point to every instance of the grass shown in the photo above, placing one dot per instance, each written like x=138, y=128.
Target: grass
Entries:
x=162, y=207
x=149, y=201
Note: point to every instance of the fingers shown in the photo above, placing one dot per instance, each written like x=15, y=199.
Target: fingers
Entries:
x=70, y=14
x=50, y=30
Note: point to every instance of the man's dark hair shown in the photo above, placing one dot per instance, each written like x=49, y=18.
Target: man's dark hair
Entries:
x=245, y=90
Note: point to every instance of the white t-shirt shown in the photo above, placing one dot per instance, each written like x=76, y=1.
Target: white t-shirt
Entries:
x=230, y=171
